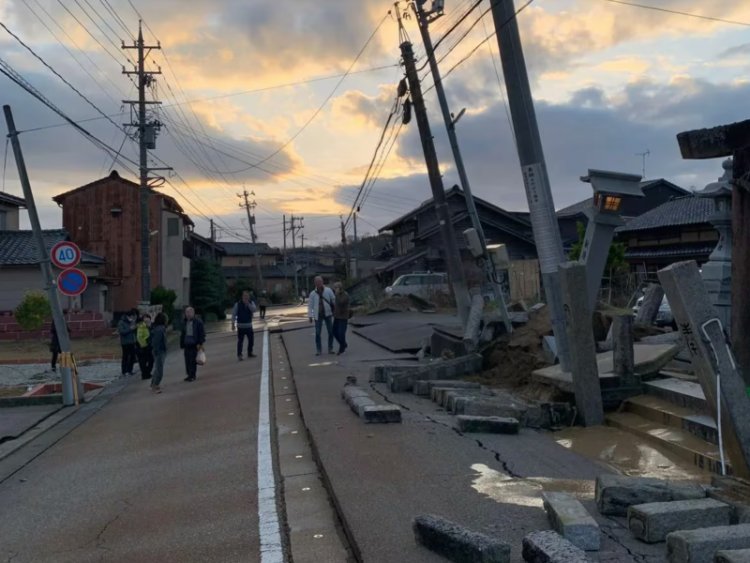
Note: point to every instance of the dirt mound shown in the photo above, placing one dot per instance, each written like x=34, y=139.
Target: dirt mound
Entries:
x=513, y=358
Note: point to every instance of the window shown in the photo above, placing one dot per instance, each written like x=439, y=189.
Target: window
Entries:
x=173, y=227
x=3, y=220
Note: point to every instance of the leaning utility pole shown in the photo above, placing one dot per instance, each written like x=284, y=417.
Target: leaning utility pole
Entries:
x=249, y=207
x=534, y=170
x=68, y=386
x=424, y=19
x=452, y=255
x=147, y=132
x=294, y=254
x=213, y=240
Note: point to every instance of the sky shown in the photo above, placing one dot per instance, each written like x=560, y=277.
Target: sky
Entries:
x=288, y=99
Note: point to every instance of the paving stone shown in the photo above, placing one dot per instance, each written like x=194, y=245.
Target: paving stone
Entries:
x=699, y=546
x=487, y=424
x=379, y=374
x=652, y=522
x=550, y=547
x=732, y=556
x=571, y=520
x=440, y=395
x=615, y=493
x=381, y=413
x=487, y=406
x=421, y=387
x=358, y=404
x=457, y=543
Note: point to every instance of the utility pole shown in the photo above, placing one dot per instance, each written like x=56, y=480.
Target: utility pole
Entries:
x=283, y=231
x=346, y=248
x=452, y=255
x=213, y=240
x=147, y=132
x=68, y=391
x=249, y=207
x=533, y=168
x=294, y=255
x=424, y=19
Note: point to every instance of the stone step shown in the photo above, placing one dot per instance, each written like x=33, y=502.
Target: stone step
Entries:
x=663, y=412
x=701, y=453
x=679, y=392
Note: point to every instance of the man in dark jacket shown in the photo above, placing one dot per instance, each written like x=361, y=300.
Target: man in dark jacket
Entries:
x=192, y=338
x=126, y=327
x=242, y=320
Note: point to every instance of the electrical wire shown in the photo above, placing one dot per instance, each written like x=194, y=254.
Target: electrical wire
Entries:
x=455, y=25
x=118, y=19
x=678, y=12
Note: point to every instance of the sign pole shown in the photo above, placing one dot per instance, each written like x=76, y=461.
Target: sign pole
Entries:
x=44, y=260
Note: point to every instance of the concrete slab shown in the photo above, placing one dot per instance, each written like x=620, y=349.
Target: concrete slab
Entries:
x=649, y=359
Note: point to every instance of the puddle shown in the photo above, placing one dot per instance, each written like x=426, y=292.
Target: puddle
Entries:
x=628, y=454
x=526, y=492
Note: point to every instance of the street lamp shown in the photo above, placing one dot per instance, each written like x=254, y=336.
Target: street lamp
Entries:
x=610, y=189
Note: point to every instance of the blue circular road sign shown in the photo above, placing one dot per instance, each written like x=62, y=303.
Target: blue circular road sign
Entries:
x=72, y=282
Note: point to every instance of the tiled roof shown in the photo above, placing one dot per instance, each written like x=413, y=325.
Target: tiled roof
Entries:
x=9, y=199
x=247, y=248
x=689, y=210
x=684, y=250
x=17, y=248
x=576, y=208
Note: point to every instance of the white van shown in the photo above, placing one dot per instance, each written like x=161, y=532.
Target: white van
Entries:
x=422, y=284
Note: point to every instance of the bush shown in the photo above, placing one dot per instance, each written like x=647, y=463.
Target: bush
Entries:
x=33, y=311
x=160, y=295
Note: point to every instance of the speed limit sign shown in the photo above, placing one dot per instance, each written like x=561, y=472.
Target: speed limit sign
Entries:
x=65, y=255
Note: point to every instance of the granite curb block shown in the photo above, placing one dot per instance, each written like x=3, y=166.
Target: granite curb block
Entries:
x=652, y=522
x=457, y=543
x=364, y=407
x=570, y=519
x=732, y=556
x=487, y=424
x=698, y=546
x=404, y=379
x=616, y=493
x=550, y=547
x=423, y=387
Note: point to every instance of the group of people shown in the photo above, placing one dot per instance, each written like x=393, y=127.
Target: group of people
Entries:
x=144, y=341
x=329, y=307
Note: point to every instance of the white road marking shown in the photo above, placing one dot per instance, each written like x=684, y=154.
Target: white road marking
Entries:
x=271, y=550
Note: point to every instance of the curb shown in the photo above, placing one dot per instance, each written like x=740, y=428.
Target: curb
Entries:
x=345, y=527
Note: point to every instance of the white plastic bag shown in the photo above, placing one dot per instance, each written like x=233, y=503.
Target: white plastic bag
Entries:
x=200, y=359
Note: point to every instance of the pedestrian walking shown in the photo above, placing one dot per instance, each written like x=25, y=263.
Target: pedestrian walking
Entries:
x=159, y=347
x=192, y=338
x=320, y=307
x=263, y=302
x=340, y=316
x=126, y=328
x=302, y=297
x=242, y=320
x=143, y=348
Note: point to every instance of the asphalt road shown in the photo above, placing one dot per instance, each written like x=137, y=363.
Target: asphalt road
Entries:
x=170, y=477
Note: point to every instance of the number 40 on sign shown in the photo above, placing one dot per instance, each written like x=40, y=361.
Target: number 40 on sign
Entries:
x=65, y=255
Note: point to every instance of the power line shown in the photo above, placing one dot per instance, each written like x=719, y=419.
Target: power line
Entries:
x=325, y=101
x=60, y=76
x=118, y=19
x=678, y=12
x=455, y=25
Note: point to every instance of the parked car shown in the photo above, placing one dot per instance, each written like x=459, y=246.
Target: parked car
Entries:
x=421, y=284
x=664, y=317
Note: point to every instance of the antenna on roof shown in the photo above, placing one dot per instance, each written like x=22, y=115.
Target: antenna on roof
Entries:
x=643, y=155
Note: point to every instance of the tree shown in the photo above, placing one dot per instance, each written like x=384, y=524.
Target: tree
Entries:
x=615, y=259
x=207, y=289
x=33, y=310
x=160, y=295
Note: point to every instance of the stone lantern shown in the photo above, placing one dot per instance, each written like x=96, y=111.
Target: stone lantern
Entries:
x=717, y=272
x=610, y=189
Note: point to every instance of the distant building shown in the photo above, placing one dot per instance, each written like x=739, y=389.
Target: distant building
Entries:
x=9, y=215
x=104, y=217
x=656, y=192
x=676, y=230
x=417, y=242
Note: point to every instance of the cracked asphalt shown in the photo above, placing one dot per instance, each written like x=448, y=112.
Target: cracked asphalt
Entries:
x=382, y=476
